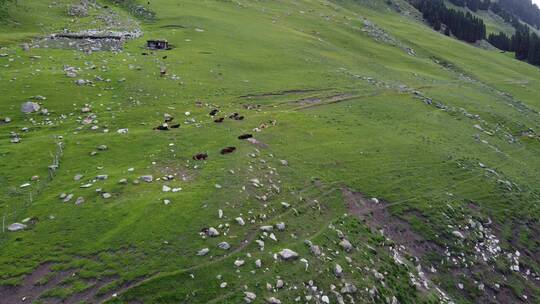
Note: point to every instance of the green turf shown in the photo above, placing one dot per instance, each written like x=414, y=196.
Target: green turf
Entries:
x=382, y=141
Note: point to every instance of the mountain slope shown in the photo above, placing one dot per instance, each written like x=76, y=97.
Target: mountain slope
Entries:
x=347, y=101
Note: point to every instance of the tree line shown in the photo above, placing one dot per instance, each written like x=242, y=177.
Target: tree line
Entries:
x=509, y=10
x=464, y=26
x=524, y=43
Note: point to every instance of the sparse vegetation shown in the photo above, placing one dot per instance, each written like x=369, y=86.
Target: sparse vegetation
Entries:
x=279, y=151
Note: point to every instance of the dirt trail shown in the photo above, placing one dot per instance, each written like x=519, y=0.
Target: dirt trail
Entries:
x=282, y=93
x=129, y=285
x=30, y=289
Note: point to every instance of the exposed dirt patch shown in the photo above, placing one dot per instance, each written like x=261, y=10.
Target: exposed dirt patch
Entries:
x=314, y=101
x=377, y=217
x=374, y=213
x=89, y=295
x=31, y=288
x=281, y=93
x=90, y=40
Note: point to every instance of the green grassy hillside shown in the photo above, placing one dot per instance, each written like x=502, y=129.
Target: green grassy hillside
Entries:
x=346, y=101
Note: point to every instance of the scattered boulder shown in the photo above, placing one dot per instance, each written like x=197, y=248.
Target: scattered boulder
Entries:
x=203, y=252
x=146, y=178
x=212, y=232
x=338, y=270
x=16, y=227
x=316, y=250
x=30, y=107
x=266, y=228
x=273, y=300
x=288, y=255
x=346, y=245
x=240, y=221
x=249, y=297
x=239, y=263
x=224, y=246
x=349, y=288
x=68, y=197
x=458, y=234
x=325, y=299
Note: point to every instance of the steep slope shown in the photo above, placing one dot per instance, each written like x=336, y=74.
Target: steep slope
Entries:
x=346, y=101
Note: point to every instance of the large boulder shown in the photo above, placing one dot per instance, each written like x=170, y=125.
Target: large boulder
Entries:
x=288, y=255
x=16, y=227
x=29, y=107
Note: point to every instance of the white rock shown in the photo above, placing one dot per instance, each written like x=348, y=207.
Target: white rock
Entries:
x=146, y=178
x=203, y=252
x=29, y=107
x=239, y=263
x=240, y=221
x=287, y=254
x=346, y=245
x=338, y=271
x=267, y=228
x=79, y=200
x=224, y=245
x=16, y=227
x=212, y=232
x=249, y=297
x=458, y=234
x=273, y=300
